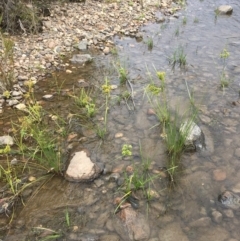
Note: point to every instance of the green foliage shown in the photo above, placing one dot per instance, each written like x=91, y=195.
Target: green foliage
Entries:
x=150, y=43
x=126, y=150
x=122, y=75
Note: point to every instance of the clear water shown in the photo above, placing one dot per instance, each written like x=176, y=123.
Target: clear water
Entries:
x=91, y=208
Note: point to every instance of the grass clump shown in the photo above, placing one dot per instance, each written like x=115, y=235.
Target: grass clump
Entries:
x=85, y=102
x=122, y=75
x=224, y=81
x=178, y=57
x=149, y=43
x=173, y=136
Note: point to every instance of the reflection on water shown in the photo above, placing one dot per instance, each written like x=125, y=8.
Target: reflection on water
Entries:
x=191, y=211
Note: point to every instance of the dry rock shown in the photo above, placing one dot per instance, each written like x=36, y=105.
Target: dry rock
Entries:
x=6, y=140
x=81, y=58
x=81, y=168
x=225, y=9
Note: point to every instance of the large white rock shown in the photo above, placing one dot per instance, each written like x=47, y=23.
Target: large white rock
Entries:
x=6, y=140
x=193, y=132
x=225, y=9
x=81, y=168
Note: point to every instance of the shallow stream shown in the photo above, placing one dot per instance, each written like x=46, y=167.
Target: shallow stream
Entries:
x=188, y=211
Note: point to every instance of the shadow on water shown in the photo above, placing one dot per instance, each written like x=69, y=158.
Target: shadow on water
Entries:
x=190, y=211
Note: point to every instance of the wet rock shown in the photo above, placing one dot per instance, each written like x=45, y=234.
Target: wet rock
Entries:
x=229, y=200
x=219, y=175
x=6, y=140
x=81, y=58
x=228, y=213
x=172, y=232
x=217, y=216
x=82, y=237
x=99, y=182
x=132, y=225
x=224, y=9
x=194, y=134
x=114, y=177
x=81, y=168
x=109, y=237
x=201, y=222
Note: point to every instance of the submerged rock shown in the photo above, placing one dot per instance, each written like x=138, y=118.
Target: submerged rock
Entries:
x=81, y=168
x=229, y=200
x=81, y=58
x=225, y=9
x=132, y=225
x=194, y=135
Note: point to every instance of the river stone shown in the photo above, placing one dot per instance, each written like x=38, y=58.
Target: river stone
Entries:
x=6, y=140
x=193, y=132
x=81, y=168
x=217, y=216
x=172, y=232
x=201, y=222
x=225, y=9
x=81, y=58
x=132, y=225
x=82, y=45
x=219, y=175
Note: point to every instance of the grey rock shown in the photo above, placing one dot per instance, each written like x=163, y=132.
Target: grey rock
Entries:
x=81, y=168
x=132, y=225
x=225, y=9
x=229, y=200
x=193, y=134
x=6, y=140
x=82, y=45
x=81, y=58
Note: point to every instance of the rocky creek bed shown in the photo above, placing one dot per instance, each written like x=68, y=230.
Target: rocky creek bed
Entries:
x=63, y=210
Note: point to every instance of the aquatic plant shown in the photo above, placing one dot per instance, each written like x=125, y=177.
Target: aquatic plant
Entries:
x=184, y=21
x=122, y=75
x=126, y=150
x=224, y=80
x=149, y=43
x=178, y=57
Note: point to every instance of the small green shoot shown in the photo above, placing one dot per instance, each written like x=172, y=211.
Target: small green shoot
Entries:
x=67, y=218
x=126, y=150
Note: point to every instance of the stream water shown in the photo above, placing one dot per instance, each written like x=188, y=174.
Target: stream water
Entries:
x=190, y=211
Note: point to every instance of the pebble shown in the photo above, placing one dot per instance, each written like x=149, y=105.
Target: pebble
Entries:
x=118, y=135
x=229, y=213
x=219, y=175
x=201, y=222
x=47, y=97
x=217, y=216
